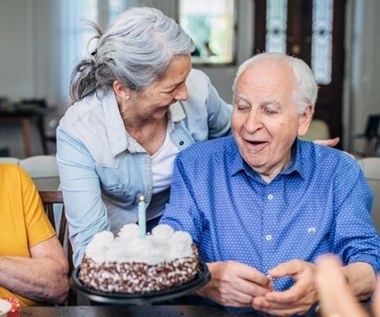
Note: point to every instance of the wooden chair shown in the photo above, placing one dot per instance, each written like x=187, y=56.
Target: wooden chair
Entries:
x=50, y=198
x=318, y=130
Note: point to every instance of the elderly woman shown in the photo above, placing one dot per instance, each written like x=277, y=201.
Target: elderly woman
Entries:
x=136, y=103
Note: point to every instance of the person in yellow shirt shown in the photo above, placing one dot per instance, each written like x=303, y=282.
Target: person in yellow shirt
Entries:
x=33, y=265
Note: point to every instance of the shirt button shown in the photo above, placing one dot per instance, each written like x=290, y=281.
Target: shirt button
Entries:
x=270, y=196
x=268, y=237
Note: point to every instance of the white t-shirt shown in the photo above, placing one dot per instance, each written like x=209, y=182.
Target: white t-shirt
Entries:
x=162, y=163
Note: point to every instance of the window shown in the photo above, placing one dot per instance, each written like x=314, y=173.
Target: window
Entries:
x=212, y=26
x=321, y=43
x=75, y=33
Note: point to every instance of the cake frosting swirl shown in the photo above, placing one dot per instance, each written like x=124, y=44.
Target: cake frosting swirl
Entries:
x=128, y=264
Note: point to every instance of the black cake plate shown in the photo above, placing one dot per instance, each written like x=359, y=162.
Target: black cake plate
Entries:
x=107, y=298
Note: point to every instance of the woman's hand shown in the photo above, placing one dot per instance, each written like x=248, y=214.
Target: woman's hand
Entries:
x=334, y=294
x=327, y=142
x=331, y=143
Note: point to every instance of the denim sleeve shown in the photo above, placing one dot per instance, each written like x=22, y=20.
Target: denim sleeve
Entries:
x=85, y=210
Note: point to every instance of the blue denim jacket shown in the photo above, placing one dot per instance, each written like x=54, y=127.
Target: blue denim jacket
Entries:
x=103, y=171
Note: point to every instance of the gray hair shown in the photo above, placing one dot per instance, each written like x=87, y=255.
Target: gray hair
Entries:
x=306, y=90
x=136, y=50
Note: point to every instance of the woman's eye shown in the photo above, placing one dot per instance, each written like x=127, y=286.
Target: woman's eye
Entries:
x=170, y=91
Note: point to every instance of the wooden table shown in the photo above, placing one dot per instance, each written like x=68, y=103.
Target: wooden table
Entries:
x=129, y=311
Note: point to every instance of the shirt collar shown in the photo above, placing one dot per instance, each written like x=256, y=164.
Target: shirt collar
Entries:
x=238, y=164
x=176, y=112
x=117, y=135
x=116, y=132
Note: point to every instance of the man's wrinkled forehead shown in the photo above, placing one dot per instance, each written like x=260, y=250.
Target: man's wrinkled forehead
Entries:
x=264, y=75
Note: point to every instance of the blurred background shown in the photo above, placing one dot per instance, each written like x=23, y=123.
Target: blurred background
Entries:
x=42, y=40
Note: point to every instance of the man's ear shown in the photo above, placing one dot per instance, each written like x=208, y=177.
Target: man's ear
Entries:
x=121, y=90
x=305, y=120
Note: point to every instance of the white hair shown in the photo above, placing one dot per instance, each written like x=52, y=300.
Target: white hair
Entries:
x=306, y=90
x=136, y=50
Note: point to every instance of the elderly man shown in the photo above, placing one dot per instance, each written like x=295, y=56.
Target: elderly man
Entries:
x=33, y=265
x=262, y=205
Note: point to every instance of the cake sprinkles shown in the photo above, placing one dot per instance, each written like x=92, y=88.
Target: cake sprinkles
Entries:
x=129, y=264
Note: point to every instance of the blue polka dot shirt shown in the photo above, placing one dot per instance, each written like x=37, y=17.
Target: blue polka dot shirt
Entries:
x=321, y=203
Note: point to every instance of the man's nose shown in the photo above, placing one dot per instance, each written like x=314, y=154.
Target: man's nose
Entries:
x=253, y=121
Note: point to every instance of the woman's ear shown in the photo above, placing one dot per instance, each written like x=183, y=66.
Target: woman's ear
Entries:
x=305, y=120
x=121, y=90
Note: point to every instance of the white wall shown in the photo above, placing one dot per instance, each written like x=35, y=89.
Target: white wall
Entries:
x=29, y=50
x=365, y=66
x=16, y=50
x=29, y=55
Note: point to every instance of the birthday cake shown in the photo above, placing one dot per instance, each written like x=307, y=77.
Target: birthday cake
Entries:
x=130, y=264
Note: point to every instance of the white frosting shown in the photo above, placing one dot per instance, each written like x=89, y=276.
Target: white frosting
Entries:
x=5, y=307
x=130, y=230
x=99, y=245
x=180, y=245
x=164, y=244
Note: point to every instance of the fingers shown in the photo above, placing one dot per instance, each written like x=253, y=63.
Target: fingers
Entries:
x=292, y=268
x=296, y=300
x=328, y=142
x=234, y=284
x=335, y=297
x=376, y=300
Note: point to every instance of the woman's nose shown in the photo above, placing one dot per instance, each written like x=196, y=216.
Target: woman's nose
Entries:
x=181, y=92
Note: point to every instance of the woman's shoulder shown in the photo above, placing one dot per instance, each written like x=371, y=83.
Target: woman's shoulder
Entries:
x=198, y=82
x=88, y=106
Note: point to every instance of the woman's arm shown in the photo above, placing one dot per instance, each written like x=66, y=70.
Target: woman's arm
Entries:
x=85, y=210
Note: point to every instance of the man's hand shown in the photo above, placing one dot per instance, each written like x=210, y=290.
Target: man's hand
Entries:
x=296, y=300
x=235, y=284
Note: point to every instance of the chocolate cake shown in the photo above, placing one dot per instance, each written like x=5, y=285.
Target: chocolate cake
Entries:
x=129, y=264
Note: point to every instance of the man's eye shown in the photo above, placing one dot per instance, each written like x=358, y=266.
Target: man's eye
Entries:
x=269, y=110
x=243, y=107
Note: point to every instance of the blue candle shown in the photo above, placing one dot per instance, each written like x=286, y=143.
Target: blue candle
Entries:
x=142, y=217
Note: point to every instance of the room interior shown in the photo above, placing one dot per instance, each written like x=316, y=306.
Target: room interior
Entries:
x=32, y=57
x=33, y=53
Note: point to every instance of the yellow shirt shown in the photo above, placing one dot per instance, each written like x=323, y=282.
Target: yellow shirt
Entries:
x=23, y=222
